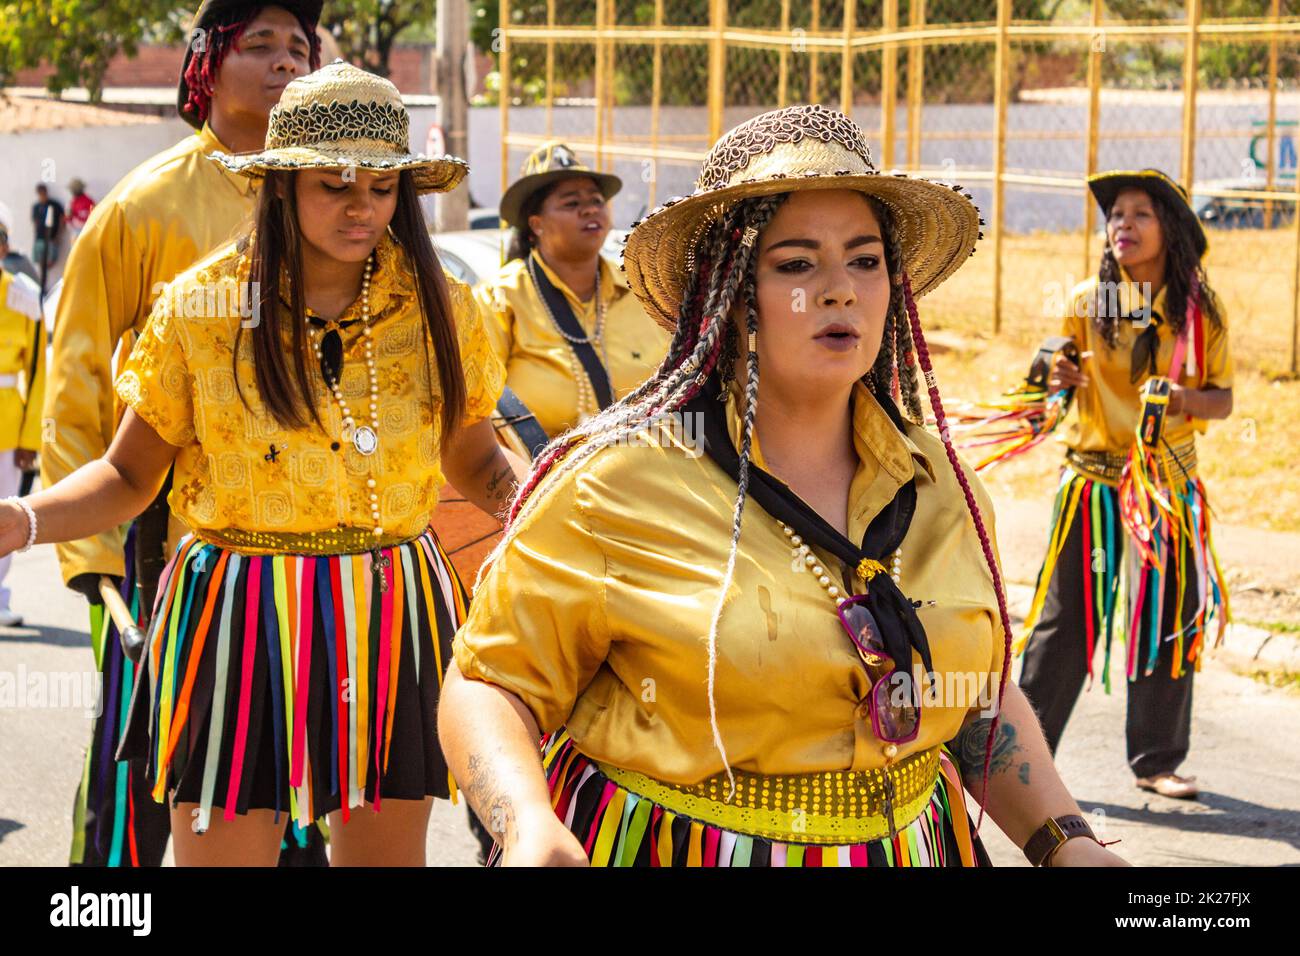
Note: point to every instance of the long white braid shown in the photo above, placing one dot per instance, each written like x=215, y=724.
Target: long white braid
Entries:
x=742, y=490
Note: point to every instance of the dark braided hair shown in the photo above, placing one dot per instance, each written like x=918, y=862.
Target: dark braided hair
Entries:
x=222, y=34
x=1183, y=273
x=720, y=276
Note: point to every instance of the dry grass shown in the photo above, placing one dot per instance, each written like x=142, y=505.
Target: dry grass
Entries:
x=1248, y=462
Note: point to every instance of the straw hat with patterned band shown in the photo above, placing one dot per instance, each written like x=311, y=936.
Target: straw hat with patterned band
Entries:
x=544, y=165
x=341, y=116
x=1106, y=186
x=800, y=147
x=213, y=12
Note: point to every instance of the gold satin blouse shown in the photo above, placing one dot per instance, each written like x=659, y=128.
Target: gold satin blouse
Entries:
x=540, y=363
x=239, y=469
x=597, y=613
x=1105, y=414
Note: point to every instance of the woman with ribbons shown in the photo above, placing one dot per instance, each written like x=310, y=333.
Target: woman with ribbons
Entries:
x=311, y=384
x=755, y=655
x=1131, y=515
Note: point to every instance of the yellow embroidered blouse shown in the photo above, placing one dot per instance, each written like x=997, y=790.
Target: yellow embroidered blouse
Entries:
x=597, y=612
x=539, y=362
x=1105, y=414
x=239, y=469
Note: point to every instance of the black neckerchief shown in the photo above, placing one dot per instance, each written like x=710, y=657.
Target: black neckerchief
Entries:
x=896, y=615
x=331, y=347
x=1146, y=348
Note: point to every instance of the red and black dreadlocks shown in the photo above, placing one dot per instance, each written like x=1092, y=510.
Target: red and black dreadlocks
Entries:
x=222, y=34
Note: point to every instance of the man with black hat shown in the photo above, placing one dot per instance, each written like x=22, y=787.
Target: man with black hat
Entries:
x=164, y=215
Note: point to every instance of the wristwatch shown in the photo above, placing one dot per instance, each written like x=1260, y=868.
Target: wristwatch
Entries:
x=1052, y=834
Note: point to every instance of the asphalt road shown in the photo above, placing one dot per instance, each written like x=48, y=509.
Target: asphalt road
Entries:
x=1246, y=753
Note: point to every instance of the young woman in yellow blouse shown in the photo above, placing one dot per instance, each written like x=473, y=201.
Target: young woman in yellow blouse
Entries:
x=723, y=685
x=311, y=384
x=572, y=336
x=1142, y=518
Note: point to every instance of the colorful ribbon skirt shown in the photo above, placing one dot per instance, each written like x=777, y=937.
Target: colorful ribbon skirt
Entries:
x=1181, y=546
x=619, y=826
x=298, y=683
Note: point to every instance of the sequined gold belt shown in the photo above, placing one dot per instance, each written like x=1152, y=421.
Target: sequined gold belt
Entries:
x=1178, y=461
x=330, y=541
x=831, y=807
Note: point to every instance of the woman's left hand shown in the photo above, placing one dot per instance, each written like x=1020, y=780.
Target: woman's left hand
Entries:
x=1084, y=852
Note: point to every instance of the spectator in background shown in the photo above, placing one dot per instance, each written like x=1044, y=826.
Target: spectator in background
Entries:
x=13, y=261
x=79, y=208
x=47, y=222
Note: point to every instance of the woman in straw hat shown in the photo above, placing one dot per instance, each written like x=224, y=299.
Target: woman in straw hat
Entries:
x=571, y=334
x=1155, y=367
x=311, y=384
x=724, y=685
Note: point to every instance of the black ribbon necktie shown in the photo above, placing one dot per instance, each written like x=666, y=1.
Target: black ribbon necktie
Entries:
x=331, y=347
x=1146, y=348
x=895, y=614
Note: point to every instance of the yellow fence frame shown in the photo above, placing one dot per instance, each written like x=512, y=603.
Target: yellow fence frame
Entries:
x=891, y=39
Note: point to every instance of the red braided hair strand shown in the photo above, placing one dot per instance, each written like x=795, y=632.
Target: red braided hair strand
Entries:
x=936, y=403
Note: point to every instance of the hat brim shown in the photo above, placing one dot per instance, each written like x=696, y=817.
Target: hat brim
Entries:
x=209, y=11
x=514, y=198
x=432, y=174
x=938, y=226
x=1107, y=186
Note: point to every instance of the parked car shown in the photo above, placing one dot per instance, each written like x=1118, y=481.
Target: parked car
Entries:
x=475, y=254
x=1241, y=212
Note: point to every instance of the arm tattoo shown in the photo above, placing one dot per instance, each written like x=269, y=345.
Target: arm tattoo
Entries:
x=494, y=806
x=969, y=744
x=499, y=485
x=500, y=488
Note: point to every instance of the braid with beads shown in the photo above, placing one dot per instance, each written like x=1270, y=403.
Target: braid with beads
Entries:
x=990, y=558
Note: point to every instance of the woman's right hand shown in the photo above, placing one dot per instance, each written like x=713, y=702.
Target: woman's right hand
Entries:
x=13, y=527
x=544, y=840
x=1065, y=374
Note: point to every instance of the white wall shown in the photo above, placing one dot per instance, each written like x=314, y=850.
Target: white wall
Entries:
x=98, y=155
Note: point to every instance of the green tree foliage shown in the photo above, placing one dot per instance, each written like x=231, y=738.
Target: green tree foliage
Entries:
x=78, y=38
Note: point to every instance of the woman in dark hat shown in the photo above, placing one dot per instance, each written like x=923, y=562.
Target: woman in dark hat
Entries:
x=167, y=213
x=571, y=334
x=1131, y=515
x=311, y=383
x=754, y=656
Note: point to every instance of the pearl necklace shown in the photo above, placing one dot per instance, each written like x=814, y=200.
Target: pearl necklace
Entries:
x=586, y=394
x=366, y=437
x=802, y=553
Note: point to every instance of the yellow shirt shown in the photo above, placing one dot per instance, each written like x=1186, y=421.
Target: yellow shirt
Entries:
x=239, y=469
x=1105, y=414
x=540, y=364
x=161, y=218
x=596, y=614
x=21, y=328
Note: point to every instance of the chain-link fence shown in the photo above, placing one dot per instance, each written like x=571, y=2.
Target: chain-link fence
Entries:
x=1018, y=100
